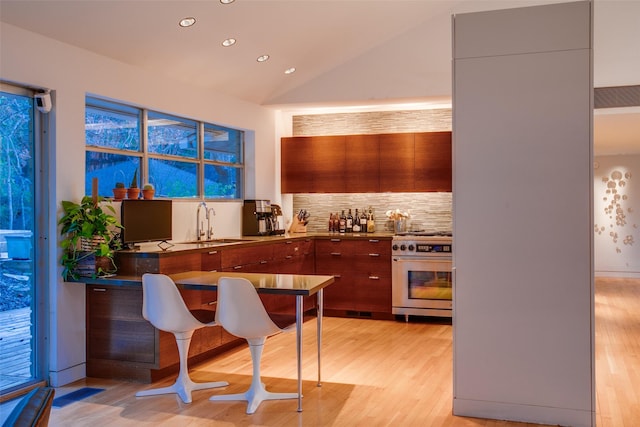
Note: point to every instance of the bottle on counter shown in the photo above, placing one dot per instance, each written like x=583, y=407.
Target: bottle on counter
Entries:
x=349, y=224
x=363, y=222
x=356, y=222
x=343, y=222
x=330, y=228
x=371, y=225
x=336, y=223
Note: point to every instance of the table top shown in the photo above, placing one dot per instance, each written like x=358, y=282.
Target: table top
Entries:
x=288, y=284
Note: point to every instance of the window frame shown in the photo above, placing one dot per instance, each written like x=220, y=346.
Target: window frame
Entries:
x=144, y=155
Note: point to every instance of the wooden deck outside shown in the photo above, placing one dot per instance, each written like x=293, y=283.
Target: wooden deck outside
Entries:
x=15, y=347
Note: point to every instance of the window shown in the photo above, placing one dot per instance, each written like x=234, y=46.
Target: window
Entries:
x=181, y=157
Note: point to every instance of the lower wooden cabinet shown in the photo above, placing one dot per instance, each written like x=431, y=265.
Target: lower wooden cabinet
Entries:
x=362, y=271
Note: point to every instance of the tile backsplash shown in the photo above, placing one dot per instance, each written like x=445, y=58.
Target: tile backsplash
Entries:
x=429, y=211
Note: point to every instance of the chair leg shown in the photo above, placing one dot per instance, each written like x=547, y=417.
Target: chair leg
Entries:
x=256, y=393
x=183, y=386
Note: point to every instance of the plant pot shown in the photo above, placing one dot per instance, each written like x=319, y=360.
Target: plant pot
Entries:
x=133, y=193
x=119, y=193
x=148, y=194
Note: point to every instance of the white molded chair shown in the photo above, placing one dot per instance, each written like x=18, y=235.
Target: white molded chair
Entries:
x=241, y=312
x=163, y=306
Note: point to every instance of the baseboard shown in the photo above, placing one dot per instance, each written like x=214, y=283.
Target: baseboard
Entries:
x=67, y=376
x=620, y=274
x=523, y=413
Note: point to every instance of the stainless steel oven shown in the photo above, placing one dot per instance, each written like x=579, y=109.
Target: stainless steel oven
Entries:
x=421, y=275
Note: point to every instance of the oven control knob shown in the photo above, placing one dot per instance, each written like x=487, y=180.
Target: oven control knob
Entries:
x=403, y=247
x=411, y=247
x=394, y=247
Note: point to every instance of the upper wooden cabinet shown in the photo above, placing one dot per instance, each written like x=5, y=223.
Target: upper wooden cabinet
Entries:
x=403, y=162
x=432, y=170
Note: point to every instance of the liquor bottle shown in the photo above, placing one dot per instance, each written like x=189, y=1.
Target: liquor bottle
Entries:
x=356, y=222
x=363, y=222
x=343, y=222
x=336, y=223
x=371, y=225
x=349, y=222
x=330, y=229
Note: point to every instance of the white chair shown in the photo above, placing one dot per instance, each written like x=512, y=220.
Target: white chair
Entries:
x=241, y=312
x=163, y=306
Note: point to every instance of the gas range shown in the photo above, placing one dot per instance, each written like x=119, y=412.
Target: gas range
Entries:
x=422, y=244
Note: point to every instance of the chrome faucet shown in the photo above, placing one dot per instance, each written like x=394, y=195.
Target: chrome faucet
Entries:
x=210, y=213
x=200, y=225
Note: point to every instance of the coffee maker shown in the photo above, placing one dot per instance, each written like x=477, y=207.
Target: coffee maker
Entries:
x=257, y=218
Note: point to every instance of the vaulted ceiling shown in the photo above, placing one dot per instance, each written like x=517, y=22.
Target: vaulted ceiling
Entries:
x=345, y=52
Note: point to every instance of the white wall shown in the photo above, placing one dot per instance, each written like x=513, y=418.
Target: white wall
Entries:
x=30, y=59
x=616, y=206
x=522, y=211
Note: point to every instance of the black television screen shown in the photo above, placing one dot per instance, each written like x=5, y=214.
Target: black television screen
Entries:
x=145, y=220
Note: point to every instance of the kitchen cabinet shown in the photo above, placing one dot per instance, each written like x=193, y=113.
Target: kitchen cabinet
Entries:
x=362, y=271
x=398, y=162
x=313, y=164
x=433, y=161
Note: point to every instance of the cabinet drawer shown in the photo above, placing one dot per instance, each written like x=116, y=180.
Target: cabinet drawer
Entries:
x=211, y=260
x=373, y=246
x=243, y=256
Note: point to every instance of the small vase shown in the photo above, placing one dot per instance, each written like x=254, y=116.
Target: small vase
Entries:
x=133, y=193
x=119, y=193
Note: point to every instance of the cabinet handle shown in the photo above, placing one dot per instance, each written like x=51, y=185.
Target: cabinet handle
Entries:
x=337, y=276
x=374, y=277
x=99, y=290
x=374, y=241
x=212, y=302
x=288, y=242
x=374, y=254
x=336, y=254
x=335, y=240
x=263, y=261
x=237, y=267
x=288, y=257
x=212, y=252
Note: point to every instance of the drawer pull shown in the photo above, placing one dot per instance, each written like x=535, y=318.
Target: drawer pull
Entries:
x=264, y=261
x=374, y=241
x=374, y=254
x=212, y=302
x=212, y=252
x=288, y=257
x=337, y=276
x=237, y=267
x=335, y=240
x=374, y=277
x=99, y=290
x=288, y=242
x=336, y=254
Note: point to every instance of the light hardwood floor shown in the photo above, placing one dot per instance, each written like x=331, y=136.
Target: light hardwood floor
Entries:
x=375, y=373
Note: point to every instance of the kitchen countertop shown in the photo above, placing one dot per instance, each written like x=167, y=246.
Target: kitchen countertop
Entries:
x=244, y=241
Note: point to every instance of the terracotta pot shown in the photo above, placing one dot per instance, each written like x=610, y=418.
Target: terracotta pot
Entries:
x=148, y=194
x=119, y=193
x=133, y=193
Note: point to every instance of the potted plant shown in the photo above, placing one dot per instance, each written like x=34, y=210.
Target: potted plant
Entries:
x=133, y=192
x=90, y=235
x=119, y=192
x=148, y=191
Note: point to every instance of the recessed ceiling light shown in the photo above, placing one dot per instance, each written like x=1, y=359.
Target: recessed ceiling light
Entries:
x=227, y=1
x=290, y=70
x=262, y=58
x=187, y=22
x=228, y=42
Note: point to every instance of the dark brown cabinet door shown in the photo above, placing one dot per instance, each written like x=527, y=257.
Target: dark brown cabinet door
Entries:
x=296, y=163
x=362, y=168
x=433, y=161
x=397, y=162
x=329, y=164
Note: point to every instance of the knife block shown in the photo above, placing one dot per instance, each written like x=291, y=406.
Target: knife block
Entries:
x=297, y=226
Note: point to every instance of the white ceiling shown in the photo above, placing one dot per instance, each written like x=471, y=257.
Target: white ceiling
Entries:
x=346, y=52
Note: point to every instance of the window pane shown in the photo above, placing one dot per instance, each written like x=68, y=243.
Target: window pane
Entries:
x=112, y=126
x=222, y=144
x=109, y=169
x=171, y=135
x=222, y=182
x=173, y=178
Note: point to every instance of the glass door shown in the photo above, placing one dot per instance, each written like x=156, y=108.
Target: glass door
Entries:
x=18, y=291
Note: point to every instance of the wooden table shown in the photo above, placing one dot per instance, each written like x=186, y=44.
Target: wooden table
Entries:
x=284, y=284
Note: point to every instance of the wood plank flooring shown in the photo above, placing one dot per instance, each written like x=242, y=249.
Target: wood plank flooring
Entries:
x=15, y=347
x=375, y=373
